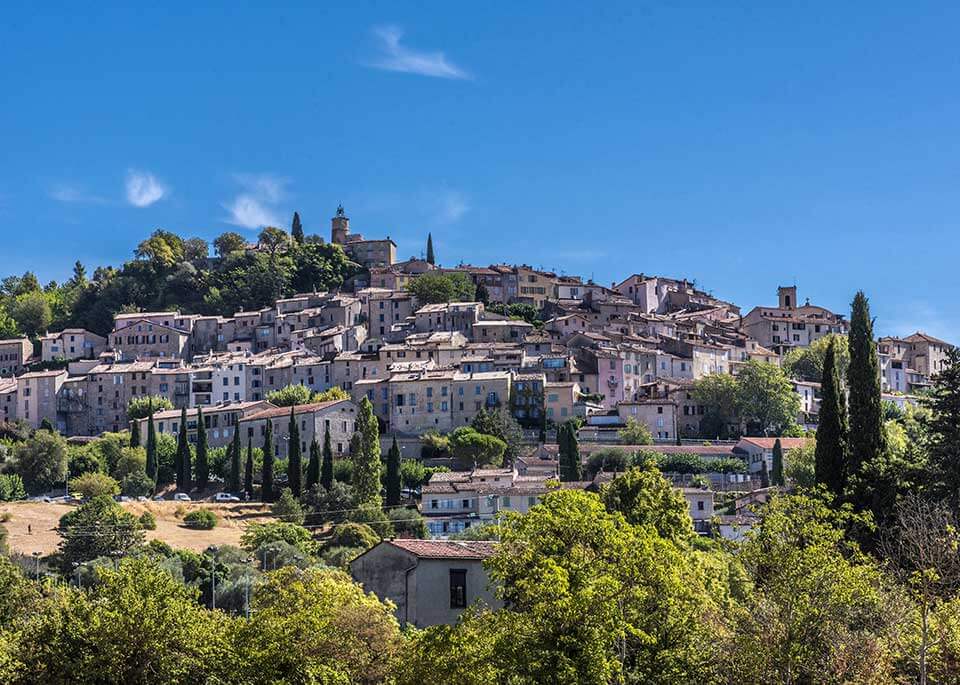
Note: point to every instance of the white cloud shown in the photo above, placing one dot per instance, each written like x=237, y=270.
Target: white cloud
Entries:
x=255, y=206
x=396, y=57
x=143, y=188
x=451, y=206
x=64, y=192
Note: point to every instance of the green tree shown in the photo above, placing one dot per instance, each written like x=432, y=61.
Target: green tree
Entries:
x=326, y=471
x=182, y=463
x=135, y=434
x=430, y=257
x=313, y=466
x=32, y=313
x=866, y=439
x=499, y=423
x=799, y=465
x=766, y=398
x=295, y=459
x=228, y=243
x=944, y=431
x=569, y=452
x=435, y=288
x=471, y=448
x=776, y=477
x=645, y=497
x=91, y=485
x=717, y=392
x=296, y=228
x=393, y=474
x=635, y=432
x=290, y=396
x=42, y=461
x=97, y=528
x=367, y=464
x=203, y=459
x=256, y=535
x=248, y=470
x=266, y=482
x=287, y=508
x=832, y=433
x=806, y=363
x=152, y=461
x=234, y=484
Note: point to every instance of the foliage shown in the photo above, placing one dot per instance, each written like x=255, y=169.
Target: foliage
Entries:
x=683, y=463
x=330, y=504
x=611, y=459
x=367, y=464
x=408, y=522
x=434, y=288
x=97, y=528
x=517, y=310
x=353, y=535
x=82, y=460
x=148, y=521
x=258, y=534
x=294, y=457
x=413, y=473
x=765, y=397
x=833, y=432
x=201, y=519
x=571, y=469
x=434, y=445
x=646, y=498
x=202, y=461
x=373, y=517
x=287, y=508
x=141, y=406
x=11, y=488
x=944, y=430
x=91, y=485
x=266, y=482
x=42, y=461
x=470, y=448
x=717, y=392
x=392, y=479
x=499, y=423
x=799, y=467
x=806, y=363
x=137, y=484
x=635, y=432
x=326, y=466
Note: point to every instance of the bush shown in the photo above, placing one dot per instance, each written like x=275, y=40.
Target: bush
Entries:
x=607, y=459
x=259, y=534
x=408, y=523
x=137, y=484
x=139, y=407
x=374, y=517
x=353, y=535
x=91, y=485
x=83, y=460
x=727, y=465
x=287, y=508
x=343, y=470
x=683, y=463
x=413, y=474
x=201, y=519
x=635, y=433
x=11, y=488
x=340, y=557
x=434, y=446
x=148, y=521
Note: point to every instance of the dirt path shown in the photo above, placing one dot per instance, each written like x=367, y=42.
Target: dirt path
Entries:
x=32, y=527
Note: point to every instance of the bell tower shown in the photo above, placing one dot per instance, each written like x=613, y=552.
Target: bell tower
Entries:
x=339, y=227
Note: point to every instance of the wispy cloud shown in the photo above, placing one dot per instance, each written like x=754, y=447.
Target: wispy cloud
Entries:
x=397, y=57
x=255, y=206
x=65, y=192
x=143, y=188
x=451, y=206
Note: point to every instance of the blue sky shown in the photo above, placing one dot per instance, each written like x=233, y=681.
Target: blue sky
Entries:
x=739, y=144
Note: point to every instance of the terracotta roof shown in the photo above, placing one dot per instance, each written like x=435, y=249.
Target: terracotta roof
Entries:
x=285, y=411
x=446, y=549
x=767, y=443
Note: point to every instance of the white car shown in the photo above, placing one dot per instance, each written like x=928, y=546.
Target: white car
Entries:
x=225, y=497
x=182, y=497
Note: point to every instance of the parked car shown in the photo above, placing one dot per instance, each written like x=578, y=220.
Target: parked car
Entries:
x=158, y=498
x=182, y=497
x=141, y=498
x=225, y=497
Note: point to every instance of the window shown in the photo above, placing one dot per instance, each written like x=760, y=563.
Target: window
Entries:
x=458, y=588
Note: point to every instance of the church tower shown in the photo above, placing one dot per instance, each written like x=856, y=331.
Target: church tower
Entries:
x=339, y=227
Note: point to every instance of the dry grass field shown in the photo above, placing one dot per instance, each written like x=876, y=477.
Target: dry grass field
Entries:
x=32, y=526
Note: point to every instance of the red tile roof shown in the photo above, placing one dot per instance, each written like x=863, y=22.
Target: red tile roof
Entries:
x=446, y=549
x=785, y=443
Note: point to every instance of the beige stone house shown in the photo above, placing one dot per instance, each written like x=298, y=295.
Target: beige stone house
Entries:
x=70, y=344
x=14, y=353
x=339, y=417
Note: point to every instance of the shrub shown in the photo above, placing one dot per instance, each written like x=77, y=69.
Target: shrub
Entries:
x=683, y=463
x=148, y=521
x=374, y=517
x=607, y=459
x=140, y=406
x=202, y=519
x=287, y=508
x=413, y=474
x=434, y=446
x=259, y=534
x=136, y=484
x=635, y=433
x=5, y=517
x=408, y=523
x=353, y=535
x=92, y=484
x=11, y=488
x=340, y=557
x=343, y=470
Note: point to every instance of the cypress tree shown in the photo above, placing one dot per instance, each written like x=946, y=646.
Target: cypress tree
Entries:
x=296, y=229
x=944, y=430
x=248, y=471
x=135, y=434
x=313, y=466
x=569, y=453
x=326, y=471
x=777, y=476
x=266, y=482
x=867, y=440
x=482, y=294
x=234, y=485
x=294, y=460
x=203, y=459
x=830, y=462
x=366, y=464
x=764, y=473
x=393, y=474
x=430, y=257
x=152, y=467
x=183, y=451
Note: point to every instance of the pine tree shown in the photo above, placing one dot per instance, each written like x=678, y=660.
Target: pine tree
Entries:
x=326, y=471
x=366, y=464
x=777, y=475
x=183, y=451
x=203, y=459
x=294, y=459
x=313, y=466
x=248, y=471
x=266, y=482
x=151, y=445
x=393, y=474
x=944, y=430
x=430, y=257
x=867, y=440
x=296, y=229
x=234, y=485
x=135, y=434
x=830, y=461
